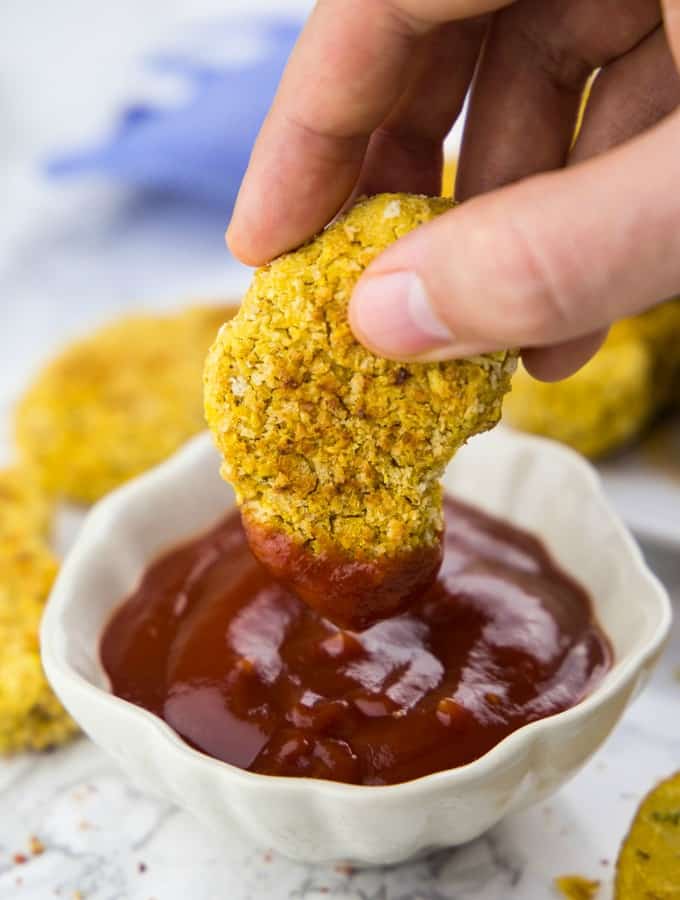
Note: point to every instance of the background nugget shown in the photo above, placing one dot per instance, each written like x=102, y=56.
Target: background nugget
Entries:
x=31, y=717
x=615, y=396
x=329, y=447
x=649, y=861
x=24, y=508
x=118, y=402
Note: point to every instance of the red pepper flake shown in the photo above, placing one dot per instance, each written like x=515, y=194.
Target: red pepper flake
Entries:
x=267, y=856
x=20, y=858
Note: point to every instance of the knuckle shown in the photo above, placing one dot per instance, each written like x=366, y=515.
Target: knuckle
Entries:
x=407, y=17
x=565, y=65
x=332, y=141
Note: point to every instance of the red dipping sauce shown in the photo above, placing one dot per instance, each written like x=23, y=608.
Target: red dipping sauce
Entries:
x=246, y=672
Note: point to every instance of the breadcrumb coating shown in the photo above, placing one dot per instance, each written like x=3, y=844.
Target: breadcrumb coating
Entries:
x=596, y=410
x=31, y=717
x=117, y=402
x=336, y=448
x=614, y=397
x=649, y=860
x=24, y=507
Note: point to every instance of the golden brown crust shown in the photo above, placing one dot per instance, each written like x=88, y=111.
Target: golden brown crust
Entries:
x=24, y=508
x=31, y=717
x=649, y=861
x=324, y=442
x=117, y=402
x=610, y=401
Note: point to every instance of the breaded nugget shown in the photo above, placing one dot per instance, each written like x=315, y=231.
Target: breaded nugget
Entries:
x=649, y=860
x=117, y=402
x=659, y=329
x=600, y=408
x=449, y=177
x=336, y=454
x=614, y=397
x=202, y=323
x=31, y=717
x=24, y=507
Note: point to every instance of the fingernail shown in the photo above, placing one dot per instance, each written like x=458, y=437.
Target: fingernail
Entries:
x=393, y=314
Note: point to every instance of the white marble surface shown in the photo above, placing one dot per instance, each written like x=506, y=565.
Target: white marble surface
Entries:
x=69, y=258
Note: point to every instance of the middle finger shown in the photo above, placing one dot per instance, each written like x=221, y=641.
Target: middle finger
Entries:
x=534, y=67
x=405, y=152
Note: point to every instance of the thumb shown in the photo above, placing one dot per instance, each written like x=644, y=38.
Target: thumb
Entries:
x=542, y=262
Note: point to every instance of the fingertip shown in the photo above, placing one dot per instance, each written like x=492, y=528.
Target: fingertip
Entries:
x=238, y=248
x=249, y=234
x=247, y=245
x=232, y=241
x=563, y=360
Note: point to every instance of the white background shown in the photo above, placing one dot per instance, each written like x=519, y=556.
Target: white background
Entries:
x=74, y=253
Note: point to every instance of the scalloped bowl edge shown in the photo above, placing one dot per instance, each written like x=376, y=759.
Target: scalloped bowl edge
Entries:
x=534, y=483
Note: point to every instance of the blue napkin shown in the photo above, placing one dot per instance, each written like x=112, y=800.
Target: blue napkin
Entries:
x=196, y=148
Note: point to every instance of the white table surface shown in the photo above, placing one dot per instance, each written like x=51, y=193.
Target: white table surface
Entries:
x=69, y=258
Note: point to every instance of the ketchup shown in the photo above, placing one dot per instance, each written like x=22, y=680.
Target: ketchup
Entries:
x=246, y=672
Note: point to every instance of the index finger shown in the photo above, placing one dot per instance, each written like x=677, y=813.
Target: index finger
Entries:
x=348, y=69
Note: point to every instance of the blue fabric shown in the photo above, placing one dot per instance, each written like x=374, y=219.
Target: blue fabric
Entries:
x=199, y=147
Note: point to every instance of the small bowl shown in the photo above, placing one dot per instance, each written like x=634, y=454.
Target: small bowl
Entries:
x=531, y=482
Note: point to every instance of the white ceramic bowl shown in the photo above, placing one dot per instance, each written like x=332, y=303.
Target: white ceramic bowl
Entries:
x=529, y=481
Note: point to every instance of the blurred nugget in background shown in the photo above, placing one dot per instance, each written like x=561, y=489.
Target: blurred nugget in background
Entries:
x=649, y=862
x=31, y=717
x=610, y=402
x=109, y=407
x=117, y=402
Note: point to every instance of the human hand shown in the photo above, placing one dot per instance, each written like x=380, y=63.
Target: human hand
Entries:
x=554, y=242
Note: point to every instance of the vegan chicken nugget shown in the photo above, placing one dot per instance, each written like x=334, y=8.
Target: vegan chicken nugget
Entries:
x=598, y=409
x=449, y=177
x=614, y=397
x=335, y=454
x=31, y=717
x=117, y=402
x=24, y=508
x=659, y=329
x=649, y=860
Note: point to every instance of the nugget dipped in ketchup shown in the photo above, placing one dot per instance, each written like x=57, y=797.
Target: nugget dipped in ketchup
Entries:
x=336, y=454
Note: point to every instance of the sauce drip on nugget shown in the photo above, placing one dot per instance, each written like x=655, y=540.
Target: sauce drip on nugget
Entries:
x=336, y=454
